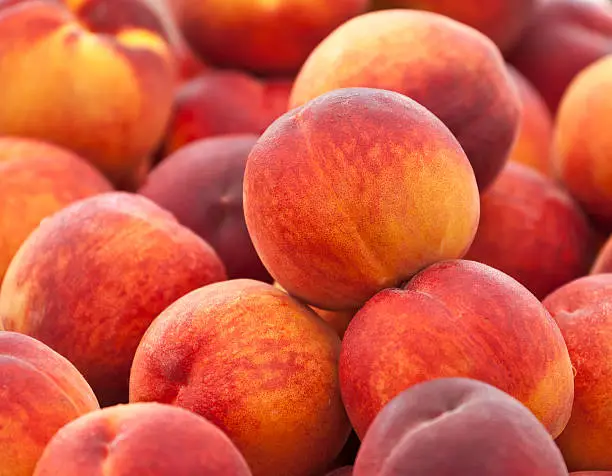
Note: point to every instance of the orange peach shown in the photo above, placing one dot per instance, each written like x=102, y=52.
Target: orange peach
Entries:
x=603, y=262
x=225, y=102
x=457, y=426
x=141, y=439
x=201, y=185
x=95, y=77
x=355, y=192
x=89, y=281
x=533, y=145
x=583, y=312
x=256, y=363
x=501, y=20
x=407, y=51
x=40, y=391
x=38, y=179
x=264, y=36
x=563, y=38
x=583, y=159
x=532, y=230
x=456, y=319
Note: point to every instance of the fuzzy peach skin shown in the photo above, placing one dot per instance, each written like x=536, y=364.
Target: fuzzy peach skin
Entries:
x=457, y=318
x=583, y=160
x=40, y=392
x=225, y=102
x=354, y=192
x=407, y=51
x=533, y=145
x=457, y=426
x=582, y=311
x=256, y=363
x=38, y=179
x=500, y=20
x=94, y=78
x=201, y=185
x=141, y=439
x=563, y=38
x=264, y=36
x=89, y=281
x=532, y=230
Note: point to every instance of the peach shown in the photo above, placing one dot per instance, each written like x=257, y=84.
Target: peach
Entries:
x=89, y=281
x=139, y=439
x=457, y=426
x=582, y=311
x=563, y=38
x=407, y=51
x=38, y=179
x=225, y=102
x=345, y=471
x=583, y=160
x=264, y=36
x=40, y=391
x=533, y=146
x=456, y=318
x=355, y=192
x=603, y=262
x=532, y=230
x=500, y=20
x=201, y=184
x=256, y=363
x=94, y=78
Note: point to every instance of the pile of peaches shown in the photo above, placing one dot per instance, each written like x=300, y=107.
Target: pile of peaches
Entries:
x=305, y=237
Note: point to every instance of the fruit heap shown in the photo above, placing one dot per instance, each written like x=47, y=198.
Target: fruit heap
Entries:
x=305, y=237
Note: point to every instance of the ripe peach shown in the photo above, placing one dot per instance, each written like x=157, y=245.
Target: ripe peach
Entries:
x=583, y=160
x=500, y=20
x=582, y=311
x=89, y=281
x=533, y=146
x=264, y=36
x=94, y=77
x=407, y=51
x=457, y=426
x=532, y=230
x=139, y=439
x=201, y=184
x=38, y=179
x=40, y=391
x=563, y=37
x=225, y=102
x=456, y=319
x=256, y=363
x=354, y=192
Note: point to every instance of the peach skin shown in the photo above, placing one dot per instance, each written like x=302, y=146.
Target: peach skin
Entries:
x=533, y=145
x=225, y=102
x=201, y=185
x=562, y=38
x=467, y=86
x=583, y=159
x=89, y=281
x=533, y=230
x=141, y=439
x=256, y=363
x=269, y=37
x=355, y=192
x=93, y=78
x=456, y=318
x=582, y=311
x=40, y=392
x=457, y=426
x=38, y=179
x=501, y=20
